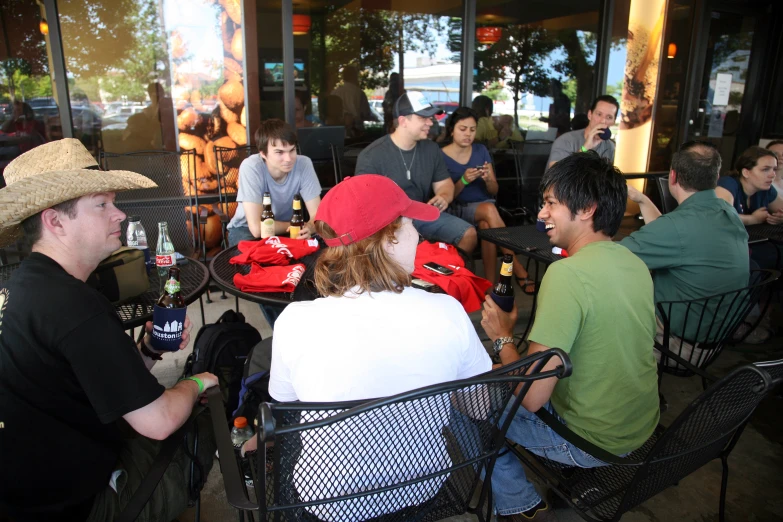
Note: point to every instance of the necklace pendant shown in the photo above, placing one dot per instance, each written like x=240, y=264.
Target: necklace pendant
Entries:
x=408, y=172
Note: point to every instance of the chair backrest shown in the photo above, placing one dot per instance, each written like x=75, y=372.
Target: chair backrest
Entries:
x=418, y=452
x=774, y=369
x=316, y=142
x=702, y=432
x=530, y=161
x=228, y=161
x=668, y=203
x=174, y=212
x=697, y=330
x=549, y=134
x=162, y=167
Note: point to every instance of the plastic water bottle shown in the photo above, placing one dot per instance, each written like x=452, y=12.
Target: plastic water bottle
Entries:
x=241, y=432
x=137, y=238
x=164, y=256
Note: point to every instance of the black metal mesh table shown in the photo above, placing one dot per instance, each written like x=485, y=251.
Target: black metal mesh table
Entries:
x=223, y=274
x=763, y=232
x=524, y=240
x=133, y=313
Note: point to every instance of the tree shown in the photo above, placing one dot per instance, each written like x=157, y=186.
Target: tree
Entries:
x=97, y=35
x=369, y=40
x=578, y=64
x=496, y=92
x=145, y=62
x=518, y=58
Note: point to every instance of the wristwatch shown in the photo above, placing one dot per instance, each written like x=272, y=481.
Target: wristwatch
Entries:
x=500, y=342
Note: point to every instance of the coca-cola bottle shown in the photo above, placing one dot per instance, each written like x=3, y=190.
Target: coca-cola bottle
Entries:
x=164, y=255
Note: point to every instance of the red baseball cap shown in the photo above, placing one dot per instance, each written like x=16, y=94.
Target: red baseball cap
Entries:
x=360, y=206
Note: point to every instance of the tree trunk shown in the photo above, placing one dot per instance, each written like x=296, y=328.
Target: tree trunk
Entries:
x=401, y=52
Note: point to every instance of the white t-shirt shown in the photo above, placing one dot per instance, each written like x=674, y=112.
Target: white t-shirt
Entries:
x=363, y=347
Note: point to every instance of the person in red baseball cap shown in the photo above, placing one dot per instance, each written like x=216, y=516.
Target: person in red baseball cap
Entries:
x=371, y=335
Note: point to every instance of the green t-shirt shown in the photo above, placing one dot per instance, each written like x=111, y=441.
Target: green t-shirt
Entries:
x=598, y=307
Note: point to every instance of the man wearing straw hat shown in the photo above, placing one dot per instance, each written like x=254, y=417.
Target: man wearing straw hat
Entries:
x=71, y=380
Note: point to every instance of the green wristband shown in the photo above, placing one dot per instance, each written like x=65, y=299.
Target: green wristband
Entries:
x=583, y=148
x=197, y=381
x=464, y=181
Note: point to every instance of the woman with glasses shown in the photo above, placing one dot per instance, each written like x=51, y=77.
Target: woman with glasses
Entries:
x=475, y=188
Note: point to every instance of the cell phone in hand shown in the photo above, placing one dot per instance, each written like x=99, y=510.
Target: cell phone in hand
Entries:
x=440, y=269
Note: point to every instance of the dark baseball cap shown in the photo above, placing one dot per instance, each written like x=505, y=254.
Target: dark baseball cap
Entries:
x=414, y=102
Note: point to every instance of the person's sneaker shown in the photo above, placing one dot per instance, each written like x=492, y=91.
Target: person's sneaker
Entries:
x=541, y=513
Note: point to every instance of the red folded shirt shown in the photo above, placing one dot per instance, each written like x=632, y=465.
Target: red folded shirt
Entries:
x=273, y=251
x=463, y=285
x=270, y=278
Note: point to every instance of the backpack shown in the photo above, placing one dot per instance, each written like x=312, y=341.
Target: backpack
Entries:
x=222, y=349
x=255, y=381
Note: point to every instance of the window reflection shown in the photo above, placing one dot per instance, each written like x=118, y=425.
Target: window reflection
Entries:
x=27, y=106
x=118, y=74
x=535, y=62
x=353, y=61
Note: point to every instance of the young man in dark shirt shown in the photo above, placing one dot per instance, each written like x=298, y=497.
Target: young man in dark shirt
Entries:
x=416, y=165
x=72, y=380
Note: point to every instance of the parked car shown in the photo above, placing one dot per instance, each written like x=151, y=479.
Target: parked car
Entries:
x=448, y=108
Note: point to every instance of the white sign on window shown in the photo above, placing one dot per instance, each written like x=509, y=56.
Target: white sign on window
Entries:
x=722, y=89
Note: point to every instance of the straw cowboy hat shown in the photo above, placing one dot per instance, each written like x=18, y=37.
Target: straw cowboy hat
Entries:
x=53, y=173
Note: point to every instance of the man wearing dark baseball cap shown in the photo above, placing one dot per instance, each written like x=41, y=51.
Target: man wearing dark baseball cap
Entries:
x=372, y=334
x=416, y=164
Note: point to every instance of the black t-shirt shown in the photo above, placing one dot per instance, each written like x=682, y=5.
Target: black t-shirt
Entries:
x=68, y=373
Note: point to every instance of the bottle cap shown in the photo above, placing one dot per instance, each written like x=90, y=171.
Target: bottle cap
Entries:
x=240, y=422
x=134, y=219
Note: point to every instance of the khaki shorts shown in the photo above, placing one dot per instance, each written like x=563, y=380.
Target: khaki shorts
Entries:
x=677, y=346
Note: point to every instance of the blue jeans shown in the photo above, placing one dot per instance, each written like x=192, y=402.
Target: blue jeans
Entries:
x=271, y=312
x=512, y=491
x=446, y=228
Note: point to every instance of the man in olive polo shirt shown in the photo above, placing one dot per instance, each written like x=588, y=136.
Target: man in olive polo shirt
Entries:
x=596, y=305
x=701, y=247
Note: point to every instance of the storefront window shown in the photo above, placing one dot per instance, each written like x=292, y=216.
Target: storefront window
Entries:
x=536, y=62
x=670, y=100
x=118, y=73
x=352, y=61
x=28, y=109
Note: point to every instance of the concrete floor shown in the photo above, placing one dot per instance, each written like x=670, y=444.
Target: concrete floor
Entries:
x=756, y=465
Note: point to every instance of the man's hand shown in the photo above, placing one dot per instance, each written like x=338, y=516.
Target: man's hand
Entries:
x=775, y=218
x=188, y=326
x=495, y=321
x=208, y=379
x=635, y=196
x=760, y=215
x=593, y=139
x=439, y=202
x=304, y=233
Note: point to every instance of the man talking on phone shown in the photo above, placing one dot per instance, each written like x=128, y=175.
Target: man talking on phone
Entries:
x=416, y=165
x=596, y=136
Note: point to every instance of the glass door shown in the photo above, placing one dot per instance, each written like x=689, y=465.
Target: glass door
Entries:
x=718, y=99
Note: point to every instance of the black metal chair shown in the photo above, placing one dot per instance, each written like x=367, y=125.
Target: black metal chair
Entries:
x=530, y=162
x=707, y=429
x=168, y=202
x=228, y=161
x=695, y=332
x=668, y=203
x=422, y=452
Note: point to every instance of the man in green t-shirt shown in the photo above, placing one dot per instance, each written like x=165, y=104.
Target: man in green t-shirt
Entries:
x=596, y=305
